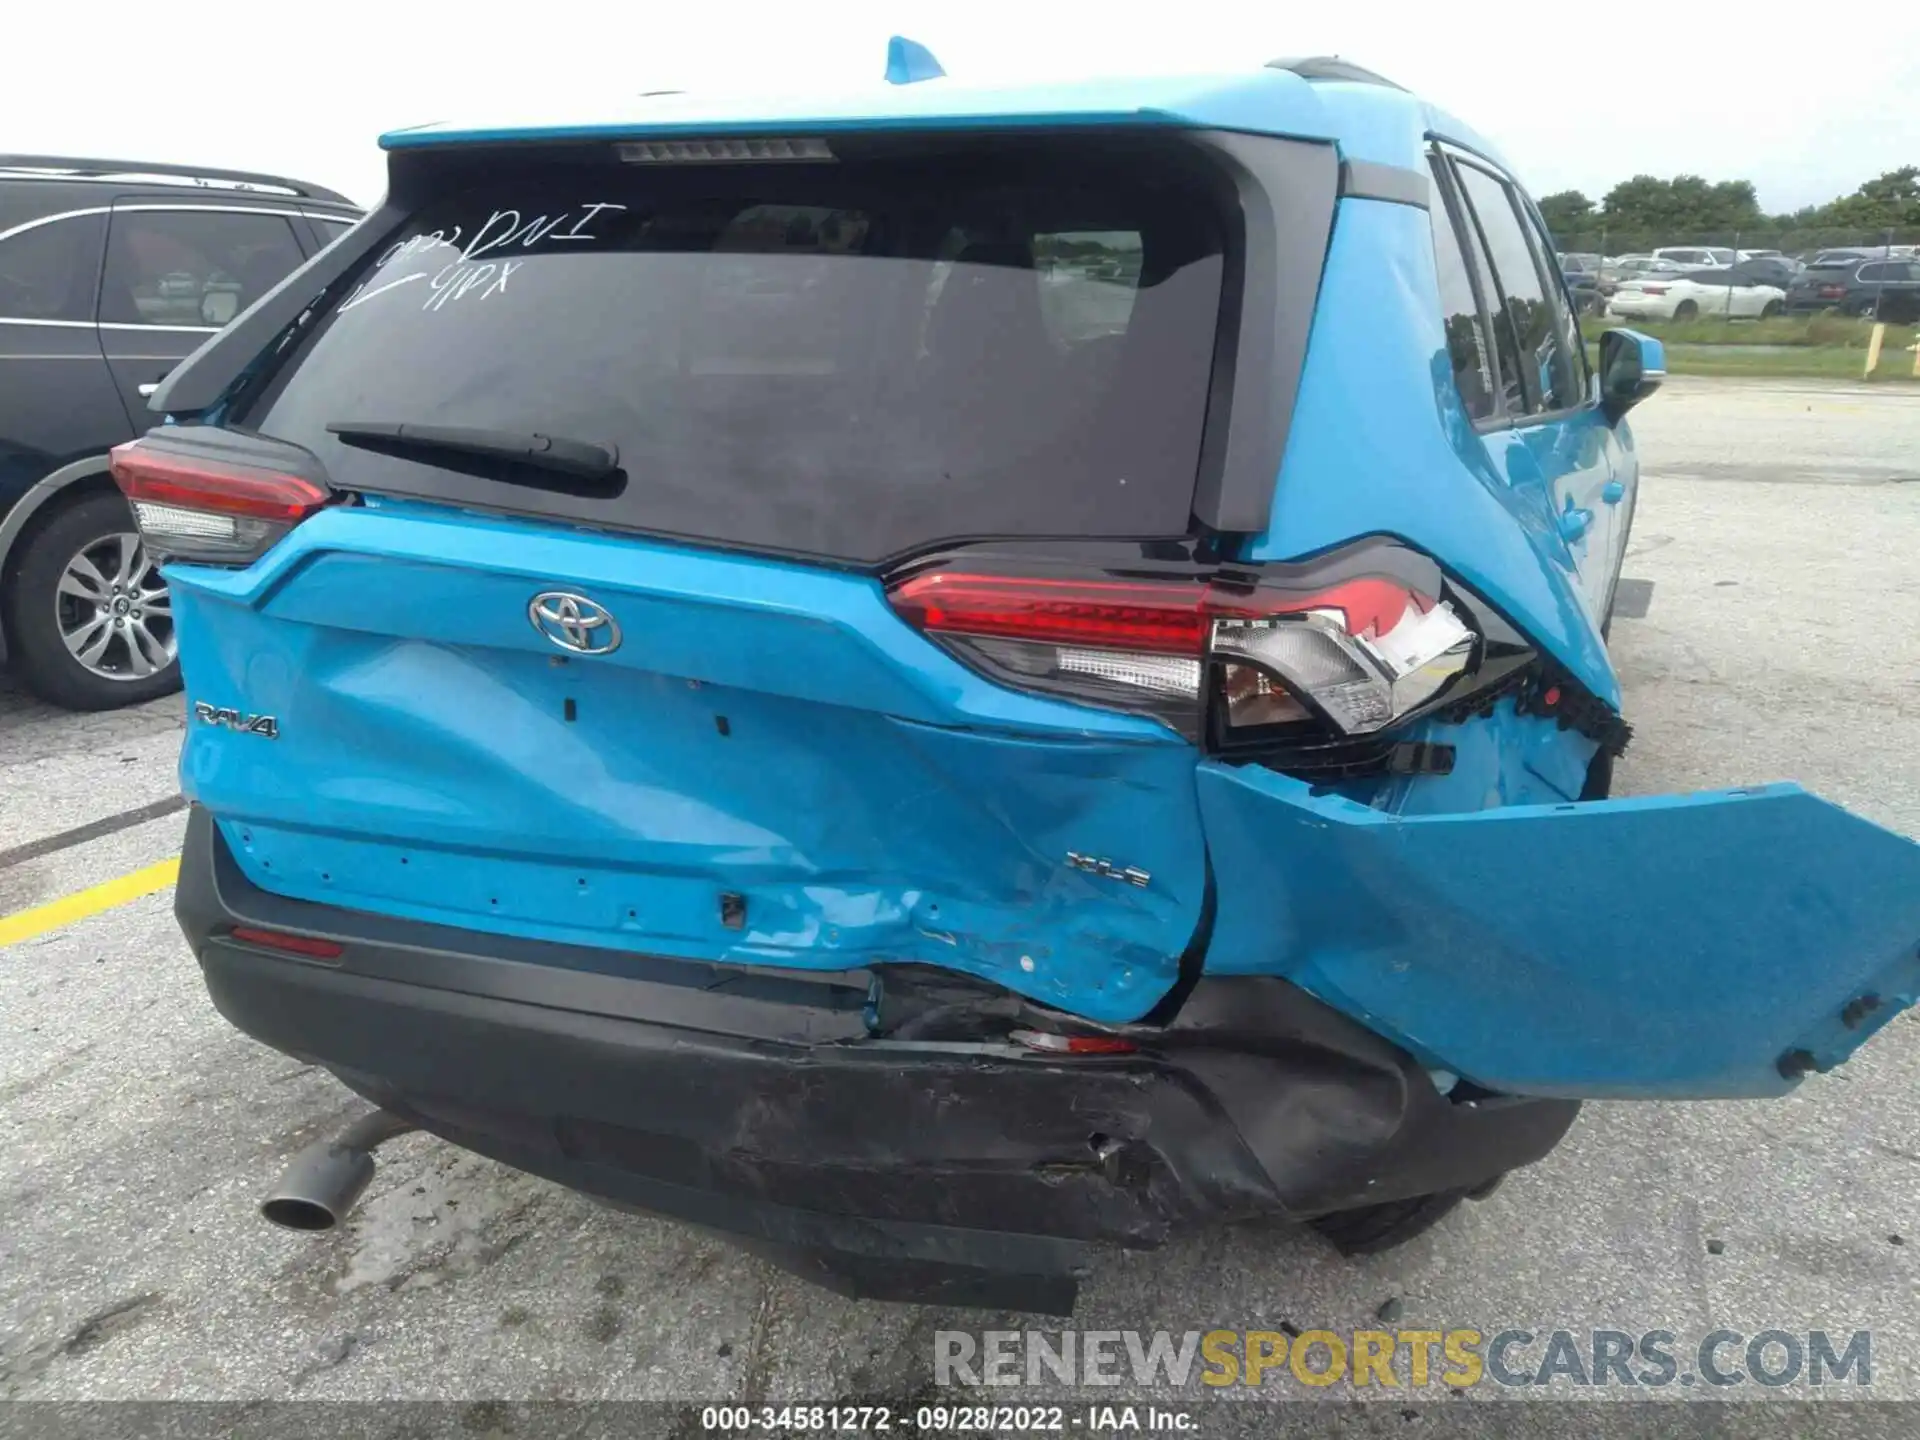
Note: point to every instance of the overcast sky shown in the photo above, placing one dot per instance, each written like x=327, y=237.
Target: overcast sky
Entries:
x=1578, y=95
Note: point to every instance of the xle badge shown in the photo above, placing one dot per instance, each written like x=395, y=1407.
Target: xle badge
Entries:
x=1094, y=866
x=263, y=725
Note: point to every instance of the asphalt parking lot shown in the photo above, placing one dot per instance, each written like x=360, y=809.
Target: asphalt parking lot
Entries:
x=1779, y=529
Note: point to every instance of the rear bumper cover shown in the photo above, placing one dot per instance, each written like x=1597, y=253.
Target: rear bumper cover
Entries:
x=759, y=1103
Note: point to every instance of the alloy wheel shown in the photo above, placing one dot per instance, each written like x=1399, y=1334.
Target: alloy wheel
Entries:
x=114, y=613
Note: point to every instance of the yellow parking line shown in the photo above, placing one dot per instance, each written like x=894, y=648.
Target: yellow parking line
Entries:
x=25, y=924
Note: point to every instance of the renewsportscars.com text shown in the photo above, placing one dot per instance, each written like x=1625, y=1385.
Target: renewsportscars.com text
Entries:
x=1403, y=1359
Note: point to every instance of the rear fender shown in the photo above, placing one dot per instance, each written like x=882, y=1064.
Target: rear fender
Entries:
x=1674, y=947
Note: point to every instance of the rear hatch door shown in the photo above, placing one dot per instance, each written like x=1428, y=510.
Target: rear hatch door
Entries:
x=655, y=699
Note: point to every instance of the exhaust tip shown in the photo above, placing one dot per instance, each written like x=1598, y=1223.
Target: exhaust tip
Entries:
x=292, y=1213
x=319, y=1188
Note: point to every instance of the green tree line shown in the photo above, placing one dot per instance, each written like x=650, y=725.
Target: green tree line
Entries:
x=1650, y=210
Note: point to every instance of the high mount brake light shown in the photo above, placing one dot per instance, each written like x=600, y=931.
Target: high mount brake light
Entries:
x=1360, y=652
x=210, y=511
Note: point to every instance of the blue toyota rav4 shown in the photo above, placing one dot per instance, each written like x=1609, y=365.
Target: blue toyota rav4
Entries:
x=938, y=677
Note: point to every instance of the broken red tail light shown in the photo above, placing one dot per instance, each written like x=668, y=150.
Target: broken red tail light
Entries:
x=210, y=511
x=1359, y=652
x=311, y=946
x=1048, y=1043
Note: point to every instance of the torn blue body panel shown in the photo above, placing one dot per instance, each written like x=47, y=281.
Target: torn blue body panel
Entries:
x=1678, y=947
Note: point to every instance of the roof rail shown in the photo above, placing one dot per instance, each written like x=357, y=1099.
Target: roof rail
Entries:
x=58, y=167
x=1331, y=67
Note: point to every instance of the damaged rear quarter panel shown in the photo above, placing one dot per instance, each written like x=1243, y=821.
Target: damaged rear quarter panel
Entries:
x=1668, y=947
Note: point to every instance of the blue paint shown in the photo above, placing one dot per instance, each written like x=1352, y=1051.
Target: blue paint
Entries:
x=876, y=801
x=1574, y=523
x=1673, y=947
x=1504, y=759
x=872, y=798
x=909, y=62
x=1488, y=505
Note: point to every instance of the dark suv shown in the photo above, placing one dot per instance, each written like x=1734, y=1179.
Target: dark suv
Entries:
x=1878, y=289
x=111, y=273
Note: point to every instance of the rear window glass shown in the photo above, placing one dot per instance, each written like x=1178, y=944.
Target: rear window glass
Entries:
x=850, y=360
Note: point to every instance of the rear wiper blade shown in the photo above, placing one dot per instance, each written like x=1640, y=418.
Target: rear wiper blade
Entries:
x=543, y=452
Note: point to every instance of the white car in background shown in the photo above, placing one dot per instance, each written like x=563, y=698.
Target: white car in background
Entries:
x=1696, y=254
x=1721, y=294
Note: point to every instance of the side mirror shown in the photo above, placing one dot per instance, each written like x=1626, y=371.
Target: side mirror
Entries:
x=1632, y=366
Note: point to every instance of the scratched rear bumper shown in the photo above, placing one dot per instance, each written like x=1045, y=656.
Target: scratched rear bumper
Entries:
x=763, y=1105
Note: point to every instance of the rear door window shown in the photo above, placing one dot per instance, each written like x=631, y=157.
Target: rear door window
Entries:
x=1572, y=346
x=851, y=360
x=190, y=269
x=1515, y=396
x=1468, y=351
x=1544, y=352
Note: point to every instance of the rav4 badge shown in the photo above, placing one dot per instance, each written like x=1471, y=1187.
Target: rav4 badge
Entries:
x=263, y=725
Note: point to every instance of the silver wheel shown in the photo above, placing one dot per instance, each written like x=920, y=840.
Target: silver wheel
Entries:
x=114, y=613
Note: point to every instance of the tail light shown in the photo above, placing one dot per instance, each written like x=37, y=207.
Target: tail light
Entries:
x=311, y=946
x=210, y=511
x=1653, y=289
x=1358, y=651
x=1833, y=292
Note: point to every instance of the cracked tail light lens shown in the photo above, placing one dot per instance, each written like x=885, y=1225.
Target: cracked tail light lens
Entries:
x=1362, y=660
x=210, y=511
x=1359, y=654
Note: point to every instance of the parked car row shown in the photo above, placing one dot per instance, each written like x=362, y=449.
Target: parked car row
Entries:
x=111, y=273
x=1684, y=282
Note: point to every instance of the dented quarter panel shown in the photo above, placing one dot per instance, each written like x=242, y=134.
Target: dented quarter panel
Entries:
x=1684, y=946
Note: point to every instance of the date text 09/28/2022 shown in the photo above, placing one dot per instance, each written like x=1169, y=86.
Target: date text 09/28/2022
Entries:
x=944, y=1419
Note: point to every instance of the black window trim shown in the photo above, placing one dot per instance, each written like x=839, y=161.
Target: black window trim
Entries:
x=1456, y=154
